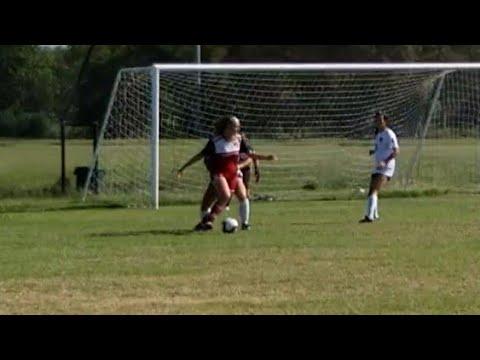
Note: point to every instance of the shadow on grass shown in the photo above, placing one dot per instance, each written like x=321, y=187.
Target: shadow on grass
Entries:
x=27, y=207
x=143, y=233
x=18, y=209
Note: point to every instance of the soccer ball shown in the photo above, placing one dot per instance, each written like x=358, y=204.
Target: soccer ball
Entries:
x=230, y=226
x=361, y=191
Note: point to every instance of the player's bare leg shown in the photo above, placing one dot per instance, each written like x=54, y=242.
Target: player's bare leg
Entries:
x=223, y=195
x=208, y=200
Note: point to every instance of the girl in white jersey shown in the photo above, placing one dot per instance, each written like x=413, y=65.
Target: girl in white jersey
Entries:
x=386, y=150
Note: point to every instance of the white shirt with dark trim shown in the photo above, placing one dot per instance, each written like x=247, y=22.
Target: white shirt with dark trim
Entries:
x=385, y=143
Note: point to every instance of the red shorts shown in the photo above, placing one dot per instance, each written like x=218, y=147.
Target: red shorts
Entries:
x=232, y=180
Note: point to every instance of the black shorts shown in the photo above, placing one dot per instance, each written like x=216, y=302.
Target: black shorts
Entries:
x=247, y=174
x=376, y=175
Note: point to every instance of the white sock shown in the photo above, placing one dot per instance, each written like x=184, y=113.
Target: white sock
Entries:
x=245, y=212
x=204, y=213
x=376, y=211
x=372, y=201
x=368, y=206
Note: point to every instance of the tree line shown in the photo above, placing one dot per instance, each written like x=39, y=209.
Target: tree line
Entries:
x=37, y=81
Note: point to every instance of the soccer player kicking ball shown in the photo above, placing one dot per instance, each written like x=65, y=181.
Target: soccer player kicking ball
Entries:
x=386, y=150
x=247, y=157
x=223, y=154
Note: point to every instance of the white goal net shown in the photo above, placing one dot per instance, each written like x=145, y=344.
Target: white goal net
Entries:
x=318, y=119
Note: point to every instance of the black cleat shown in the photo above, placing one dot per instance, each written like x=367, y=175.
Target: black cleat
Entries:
x=204, y=226
x=246, y=227
x=366, y=220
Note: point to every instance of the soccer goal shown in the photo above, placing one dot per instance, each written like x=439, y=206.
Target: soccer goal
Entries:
x=317, y=118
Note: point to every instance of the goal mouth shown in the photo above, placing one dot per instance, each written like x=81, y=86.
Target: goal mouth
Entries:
x=317, y=118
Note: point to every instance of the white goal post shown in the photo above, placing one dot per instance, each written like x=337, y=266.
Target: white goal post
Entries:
x=321, y=111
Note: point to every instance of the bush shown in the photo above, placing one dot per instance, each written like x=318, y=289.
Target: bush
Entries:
x=27, y=125
x=38, y=125
x=310, y=185
x=8, y=124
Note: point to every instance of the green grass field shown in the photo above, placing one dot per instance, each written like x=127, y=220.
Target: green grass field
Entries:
x=301, y=258
x=60, y=256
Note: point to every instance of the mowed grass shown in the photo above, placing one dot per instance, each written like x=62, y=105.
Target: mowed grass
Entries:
x=61, y=256
x=311, y=257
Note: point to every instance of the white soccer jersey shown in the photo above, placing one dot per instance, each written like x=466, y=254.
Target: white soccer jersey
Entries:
x=385, y=142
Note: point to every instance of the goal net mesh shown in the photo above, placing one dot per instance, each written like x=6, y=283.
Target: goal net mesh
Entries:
x=319, y=124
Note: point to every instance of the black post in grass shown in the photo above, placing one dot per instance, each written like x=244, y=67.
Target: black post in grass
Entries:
x=64, y=115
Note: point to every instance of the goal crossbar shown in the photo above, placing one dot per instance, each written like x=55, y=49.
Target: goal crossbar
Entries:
x=319, y=67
